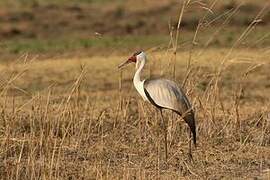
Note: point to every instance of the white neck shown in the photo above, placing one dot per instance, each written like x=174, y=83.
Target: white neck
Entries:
x=137, y=76
x=137, y=79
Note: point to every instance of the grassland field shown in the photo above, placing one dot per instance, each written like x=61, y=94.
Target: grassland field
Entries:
x=60, y=122
x=67, y=112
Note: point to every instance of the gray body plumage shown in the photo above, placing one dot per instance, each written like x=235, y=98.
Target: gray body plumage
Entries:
x=166, y=94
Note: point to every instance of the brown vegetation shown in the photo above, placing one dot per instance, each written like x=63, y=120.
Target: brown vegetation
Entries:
x=53, y=20
x=69, y=119
x=80, y=118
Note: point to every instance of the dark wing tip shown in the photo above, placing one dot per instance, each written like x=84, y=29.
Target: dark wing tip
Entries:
x=190, y=120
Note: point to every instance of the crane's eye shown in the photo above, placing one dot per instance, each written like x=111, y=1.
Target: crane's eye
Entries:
x=137, y=53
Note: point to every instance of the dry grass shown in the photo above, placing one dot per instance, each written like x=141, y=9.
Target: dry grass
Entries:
x=81, y=118
x=68, y=119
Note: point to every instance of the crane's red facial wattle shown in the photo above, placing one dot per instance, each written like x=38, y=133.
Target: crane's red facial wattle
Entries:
x=132, y=59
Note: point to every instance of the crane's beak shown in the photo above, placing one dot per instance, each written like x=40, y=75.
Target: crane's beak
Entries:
x=131, y=59
x=123, y=64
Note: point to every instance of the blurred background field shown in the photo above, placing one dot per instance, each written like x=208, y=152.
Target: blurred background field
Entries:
x=67, y=112
x=90, y=27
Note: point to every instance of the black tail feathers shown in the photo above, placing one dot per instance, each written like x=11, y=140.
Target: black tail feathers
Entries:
x=190, y=120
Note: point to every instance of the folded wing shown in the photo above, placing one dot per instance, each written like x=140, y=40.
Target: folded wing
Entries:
x=164, y=93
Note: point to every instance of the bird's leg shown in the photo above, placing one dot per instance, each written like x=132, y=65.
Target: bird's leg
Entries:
x=165, y=135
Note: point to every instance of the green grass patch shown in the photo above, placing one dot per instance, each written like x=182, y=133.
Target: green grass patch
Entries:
x=61, y=45
x=259, y=37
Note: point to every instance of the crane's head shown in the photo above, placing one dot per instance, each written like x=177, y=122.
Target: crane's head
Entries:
x=137, y=57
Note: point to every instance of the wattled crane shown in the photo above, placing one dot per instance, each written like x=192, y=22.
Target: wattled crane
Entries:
x=163, y=94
